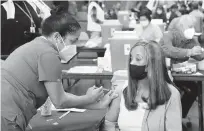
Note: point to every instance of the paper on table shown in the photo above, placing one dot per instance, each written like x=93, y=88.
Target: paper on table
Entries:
x=107, y=59
x=71, y=109
x=68, y=109
x=83, y=69
x=197, y=74
x=94, y=42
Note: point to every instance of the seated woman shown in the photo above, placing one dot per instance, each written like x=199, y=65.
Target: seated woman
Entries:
x=149, y=102
x=160, y=14
x=147, y=30
x=179, y=44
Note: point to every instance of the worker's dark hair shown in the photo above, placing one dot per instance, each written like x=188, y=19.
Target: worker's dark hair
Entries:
x=183, y=5
x=63, y=5
x=174, y=6
x=146, y=12
x=60, y=21
x=200, y=3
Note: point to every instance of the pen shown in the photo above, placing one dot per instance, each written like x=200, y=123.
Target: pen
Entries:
x=64, y=114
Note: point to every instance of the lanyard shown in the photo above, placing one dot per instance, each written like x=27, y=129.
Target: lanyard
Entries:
x=28, y=15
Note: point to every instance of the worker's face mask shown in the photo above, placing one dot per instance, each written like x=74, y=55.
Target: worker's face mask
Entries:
x=144, y=23
x=67, y=52
x=189, y=33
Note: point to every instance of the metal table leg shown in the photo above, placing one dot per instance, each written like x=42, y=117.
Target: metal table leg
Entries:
x=200, y=106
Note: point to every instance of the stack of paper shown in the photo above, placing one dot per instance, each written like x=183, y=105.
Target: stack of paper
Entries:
x=184, y=67
x=94, y=42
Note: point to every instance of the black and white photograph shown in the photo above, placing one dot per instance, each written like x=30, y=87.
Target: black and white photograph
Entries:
x=102, y=65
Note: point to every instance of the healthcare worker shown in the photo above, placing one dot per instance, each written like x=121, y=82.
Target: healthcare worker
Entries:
x=179, y=44
x=33, y=72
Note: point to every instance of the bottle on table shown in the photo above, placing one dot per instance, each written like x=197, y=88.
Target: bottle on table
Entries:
x=46, y=108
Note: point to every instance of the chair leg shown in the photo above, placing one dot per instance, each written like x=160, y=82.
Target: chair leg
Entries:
x=186, y=123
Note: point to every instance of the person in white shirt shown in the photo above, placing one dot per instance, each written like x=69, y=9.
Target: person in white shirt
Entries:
x=95, y=18
x=148, y=101
x=148, y=30
x=44, y=10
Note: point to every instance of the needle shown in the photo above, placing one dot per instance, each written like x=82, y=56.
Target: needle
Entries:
x=63, y=115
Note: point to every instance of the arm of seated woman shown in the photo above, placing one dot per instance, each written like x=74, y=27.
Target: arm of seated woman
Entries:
x=112, y=114
x=173, y=120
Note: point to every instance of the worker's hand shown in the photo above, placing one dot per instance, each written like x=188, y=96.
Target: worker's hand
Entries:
x=196, y=50
x=107, y=99
x=94, y=93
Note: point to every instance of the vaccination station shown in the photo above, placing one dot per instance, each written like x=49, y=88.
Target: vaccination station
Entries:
x=102, y=65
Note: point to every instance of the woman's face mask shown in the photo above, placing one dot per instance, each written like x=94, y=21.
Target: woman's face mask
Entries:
x=189, y=33
x=138, y=72
x=138, y=63
x=67, y=52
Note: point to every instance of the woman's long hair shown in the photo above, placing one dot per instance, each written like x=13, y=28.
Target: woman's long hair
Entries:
x=159, y=92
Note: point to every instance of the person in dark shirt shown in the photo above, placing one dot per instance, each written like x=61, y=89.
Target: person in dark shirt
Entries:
x=16, y=32
x=160, y=14
x=112, y=14
x=179, y=44
x=174, y=12
x=183, y=9
x=64, y=5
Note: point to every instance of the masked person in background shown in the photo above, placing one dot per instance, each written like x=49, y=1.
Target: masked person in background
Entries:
x=179, y=44
x=33, y=72
x=160, y=14
x=148, y=101
x=183, y=9
x=148, y=31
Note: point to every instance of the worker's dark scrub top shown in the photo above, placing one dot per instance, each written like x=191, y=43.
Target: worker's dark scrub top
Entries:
x=23, y=76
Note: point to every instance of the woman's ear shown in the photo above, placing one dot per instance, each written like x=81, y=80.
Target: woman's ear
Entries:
x=58, y=40
x=57, y=37
x=146, y=68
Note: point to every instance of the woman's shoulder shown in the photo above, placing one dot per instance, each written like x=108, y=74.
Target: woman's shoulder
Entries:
x=175, y=94
x=121, y=87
